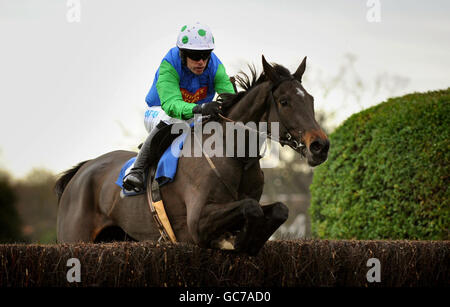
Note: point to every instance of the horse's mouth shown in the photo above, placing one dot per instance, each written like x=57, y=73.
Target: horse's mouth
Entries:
x=296, y=145
x=299, y=147
x=312, y=159
x=316, y=160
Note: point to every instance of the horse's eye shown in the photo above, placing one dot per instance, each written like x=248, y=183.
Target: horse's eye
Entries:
x=283, y=102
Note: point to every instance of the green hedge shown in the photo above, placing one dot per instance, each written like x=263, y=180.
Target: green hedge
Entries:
x=387, y=174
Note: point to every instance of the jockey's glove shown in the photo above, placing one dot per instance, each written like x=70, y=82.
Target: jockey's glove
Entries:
x=212, y=109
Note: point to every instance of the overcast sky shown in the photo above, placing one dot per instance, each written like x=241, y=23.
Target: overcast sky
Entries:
x=71, y=91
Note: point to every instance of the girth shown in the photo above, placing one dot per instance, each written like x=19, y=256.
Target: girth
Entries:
x=157, y=209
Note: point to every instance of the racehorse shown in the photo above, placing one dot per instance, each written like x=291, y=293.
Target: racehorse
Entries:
x=200, y=202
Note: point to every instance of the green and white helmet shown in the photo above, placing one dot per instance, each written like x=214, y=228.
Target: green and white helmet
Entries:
x=195, y=37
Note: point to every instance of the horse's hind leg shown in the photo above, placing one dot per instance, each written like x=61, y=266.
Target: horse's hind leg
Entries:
x=274, y=215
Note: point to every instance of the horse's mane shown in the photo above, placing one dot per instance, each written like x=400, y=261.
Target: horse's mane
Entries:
x=247, y=83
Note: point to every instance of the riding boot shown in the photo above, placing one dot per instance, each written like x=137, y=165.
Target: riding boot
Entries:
x=134, y=180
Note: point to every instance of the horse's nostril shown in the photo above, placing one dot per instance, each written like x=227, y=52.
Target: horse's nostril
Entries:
x=319, y=146
x=315, y=147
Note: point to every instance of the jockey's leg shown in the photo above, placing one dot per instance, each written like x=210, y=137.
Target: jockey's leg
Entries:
x=155, y=119
x=135, y=178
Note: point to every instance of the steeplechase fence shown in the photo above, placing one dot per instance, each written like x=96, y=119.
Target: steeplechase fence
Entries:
x=290, y=263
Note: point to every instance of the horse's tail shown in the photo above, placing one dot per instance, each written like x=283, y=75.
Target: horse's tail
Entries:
x=64, y=179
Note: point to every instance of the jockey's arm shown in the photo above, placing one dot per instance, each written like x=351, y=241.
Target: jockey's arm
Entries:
x=168, y=87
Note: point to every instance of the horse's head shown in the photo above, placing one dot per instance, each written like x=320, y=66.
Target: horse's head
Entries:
x=293, y=107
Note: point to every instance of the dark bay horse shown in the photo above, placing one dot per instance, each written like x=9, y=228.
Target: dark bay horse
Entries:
x=200, y=208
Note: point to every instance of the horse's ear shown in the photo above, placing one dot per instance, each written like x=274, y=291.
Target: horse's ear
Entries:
x=300, y=70
x=270, y=71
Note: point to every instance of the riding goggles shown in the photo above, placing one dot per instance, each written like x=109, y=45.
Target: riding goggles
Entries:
x=197, y=55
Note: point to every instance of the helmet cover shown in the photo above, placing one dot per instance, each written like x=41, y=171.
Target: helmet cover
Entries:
x=195, y=37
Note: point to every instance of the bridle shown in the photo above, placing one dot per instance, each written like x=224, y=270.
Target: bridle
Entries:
x=287, y=139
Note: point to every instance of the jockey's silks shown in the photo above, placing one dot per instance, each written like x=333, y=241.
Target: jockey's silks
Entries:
x=177, y=90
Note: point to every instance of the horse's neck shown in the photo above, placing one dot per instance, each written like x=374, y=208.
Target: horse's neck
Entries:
x=249, y=111
x=252, y=106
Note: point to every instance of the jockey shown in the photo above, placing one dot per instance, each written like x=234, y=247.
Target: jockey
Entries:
x=185, y=84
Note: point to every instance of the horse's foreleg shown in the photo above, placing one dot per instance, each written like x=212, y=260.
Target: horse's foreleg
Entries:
x=254, y=223
x=274, y=215
x=219, y=223
x=243, y=225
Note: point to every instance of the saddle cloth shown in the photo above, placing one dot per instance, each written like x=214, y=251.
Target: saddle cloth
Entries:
x=165, y=171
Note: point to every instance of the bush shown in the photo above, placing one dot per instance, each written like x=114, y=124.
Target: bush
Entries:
x=387, y=174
